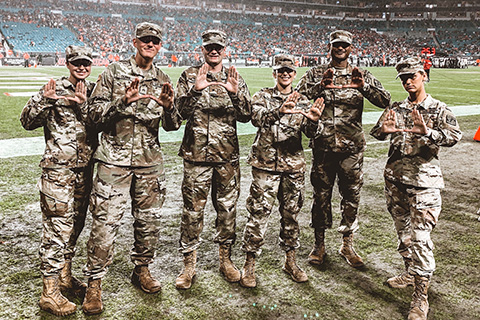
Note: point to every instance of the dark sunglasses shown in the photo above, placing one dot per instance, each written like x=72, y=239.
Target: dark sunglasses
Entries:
x=283, y=70
x=78, y=63
x=341, y=44
x=149, y=39
x=211, y=47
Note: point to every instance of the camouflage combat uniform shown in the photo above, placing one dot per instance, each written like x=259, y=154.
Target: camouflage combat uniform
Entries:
x=413, y=178
x=338, y=148
x=130, y=163
x=211, y=154
x=278, y=168
x=67, y=169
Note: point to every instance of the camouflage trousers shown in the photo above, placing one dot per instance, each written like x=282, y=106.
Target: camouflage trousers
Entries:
x=326, y=167
x=266, y=187
x=64, y=201
x=224, y=181
x=415, y=212
x=113, y=187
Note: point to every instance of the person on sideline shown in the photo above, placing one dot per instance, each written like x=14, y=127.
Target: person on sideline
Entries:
x=67, y=170
x=128, y=103
x=278, y=166
x=417, y=127
x=338, y=148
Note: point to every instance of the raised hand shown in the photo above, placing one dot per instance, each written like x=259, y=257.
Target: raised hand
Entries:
x=315, y=111
x=232, y=81
x=357, y=80
x=80, y=93
x=132, y=93
x=389, y=124
x=289, y=105
x=419, y=125
x=49, y=91
x=201, y=79
x=327, y=80
x=166, y=97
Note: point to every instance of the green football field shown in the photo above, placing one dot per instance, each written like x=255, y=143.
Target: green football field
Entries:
x=452, y=86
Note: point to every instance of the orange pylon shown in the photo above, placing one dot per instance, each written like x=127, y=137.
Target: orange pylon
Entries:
x=476, y=137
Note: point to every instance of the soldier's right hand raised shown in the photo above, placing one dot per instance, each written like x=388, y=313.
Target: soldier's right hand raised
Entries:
x=327, y=80
x=201, y=79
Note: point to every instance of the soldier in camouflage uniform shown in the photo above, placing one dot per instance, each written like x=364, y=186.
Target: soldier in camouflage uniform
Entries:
x=417, y=127
x=278, y=166
x=212, y=99
x=338, y=148
x=129, y=100
x=67, y=169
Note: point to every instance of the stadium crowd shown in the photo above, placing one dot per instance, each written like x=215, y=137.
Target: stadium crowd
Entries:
x=107, y=29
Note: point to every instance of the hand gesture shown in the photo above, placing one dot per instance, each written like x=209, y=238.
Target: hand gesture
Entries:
x=327, y=80
x=419, y=125
x=80, y=93
x=232, y=81
x=289, y=105
x=201, y=79
x=389, y=123
x=315, y=111
x=166, y=97
x=357, y=80
x=49, y=91
x=132, y=93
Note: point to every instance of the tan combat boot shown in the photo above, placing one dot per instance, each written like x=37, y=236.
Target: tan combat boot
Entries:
x=52, y=299
x=401, y=281
x=92, y=304
x=227, y=268
x=419, y=305
x=317, y=255
x=185, y=279
x=290, y=267
x=248, y=273
x=348, y=252
x=68, y=283
x=142, y=278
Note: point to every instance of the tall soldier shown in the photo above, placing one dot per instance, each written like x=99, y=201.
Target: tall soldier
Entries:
x=129, y=100
x=212, y=99
x=417, y=127
x=67, y=169
x=278, y=166
x=338, y=148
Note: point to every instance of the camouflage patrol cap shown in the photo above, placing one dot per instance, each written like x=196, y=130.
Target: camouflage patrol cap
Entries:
x=78, y=53
x=145, y=29
x=341, y=36
x=409, y=66
x=214, y=37
x=284, y=61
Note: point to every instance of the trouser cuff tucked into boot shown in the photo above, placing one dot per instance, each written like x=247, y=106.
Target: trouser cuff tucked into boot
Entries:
x=186, y=277
x=248, y=272
x=92, y=304
x=227, y=268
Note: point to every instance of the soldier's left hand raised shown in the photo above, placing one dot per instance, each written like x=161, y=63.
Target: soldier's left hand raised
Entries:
x=232, y=81
x=315, y=111
x=419, y=125
x=166, y=97
x=80, y=93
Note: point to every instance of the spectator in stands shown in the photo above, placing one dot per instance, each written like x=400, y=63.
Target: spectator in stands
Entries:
x=67, y=169
x=417, y=127
x=130, y=99
x=338, y=148
x=212, y=99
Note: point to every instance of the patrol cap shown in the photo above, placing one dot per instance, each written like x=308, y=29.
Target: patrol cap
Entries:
x=145, y=29
x=409, y=66
x=78, y=53
x=214, y=37
x=284, y=61
x=341, y=36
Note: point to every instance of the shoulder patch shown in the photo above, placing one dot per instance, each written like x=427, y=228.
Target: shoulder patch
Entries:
x=450, y=119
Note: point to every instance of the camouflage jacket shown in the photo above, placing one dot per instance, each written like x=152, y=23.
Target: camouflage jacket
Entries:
x=278, y=143
x=212, y=115
x=130, y=132
x=413, y=158
x=342, y=117
x=70, y=140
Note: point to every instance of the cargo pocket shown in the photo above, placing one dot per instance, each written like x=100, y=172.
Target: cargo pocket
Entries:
x=56, y=193
x=99, y=198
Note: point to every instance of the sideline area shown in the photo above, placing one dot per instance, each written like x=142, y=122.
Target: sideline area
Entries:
x=10, y=148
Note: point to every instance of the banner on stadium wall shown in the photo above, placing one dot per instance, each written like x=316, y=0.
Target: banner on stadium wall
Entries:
x=13, y=61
